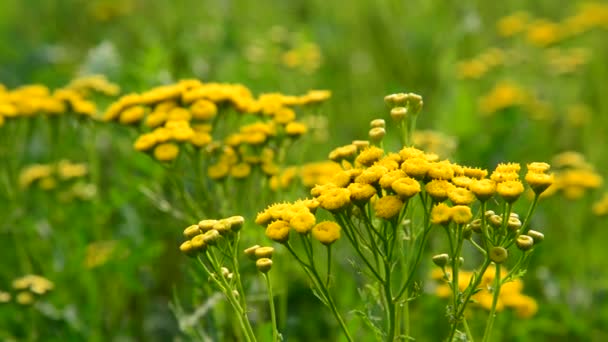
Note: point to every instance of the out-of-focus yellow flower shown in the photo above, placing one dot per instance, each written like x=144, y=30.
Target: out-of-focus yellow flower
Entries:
x=98, y=253
x=504, y=95
x=34, y=283
x=513, y=24
x=166, y=152
x=543, y=33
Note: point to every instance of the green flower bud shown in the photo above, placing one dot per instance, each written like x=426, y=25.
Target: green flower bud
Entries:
x=377, y=123
x=415, y=103
x=524, y=242
x=537, y=236
x=441, y=260
x=206, y=225
x=476, y=225
x=198, y=243
x=250, y=252
x=514, y=223
x=398, y=113
x=211, y=237
x=264, y=252
x=495, y=221
x=377, y=133
x=236, y=222
x=498, y=254
x=467, y=232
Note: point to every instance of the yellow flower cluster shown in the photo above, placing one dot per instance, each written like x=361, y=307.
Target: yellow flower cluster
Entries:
x=262, y=257
x=280, y=218
x=94, y=83
x=47, y=175
x=37, y=99
x=504, y=95
x=510, y=293
x=208, y=232
x=188, y=111
x=477, y=67
x=29, y=288
x=542, y=32
x=573, y=176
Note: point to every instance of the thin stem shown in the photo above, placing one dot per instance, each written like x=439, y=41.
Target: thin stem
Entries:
x=273, y=316
x=328, y=266
x=490, y=324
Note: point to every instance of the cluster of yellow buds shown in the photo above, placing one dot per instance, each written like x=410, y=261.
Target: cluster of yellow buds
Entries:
x=65, y=175
x=478, y=66
x=36, y=99
x=262, y=257
x=208, y=232
x=29, y=288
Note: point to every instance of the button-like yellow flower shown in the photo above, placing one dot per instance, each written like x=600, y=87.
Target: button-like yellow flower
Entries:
x=278, y=231
x=166, y=152
x=406, y=187
x=326, y=232
x=510, y=190
x=388, y=207
x=441, y=214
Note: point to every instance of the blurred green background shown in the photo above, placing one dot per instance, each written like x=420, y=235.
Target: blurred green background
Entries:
x=552, y=100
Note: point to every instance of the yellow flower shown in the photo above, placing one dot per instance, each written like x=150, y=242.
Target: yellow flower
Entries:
x=388, y=207
x=441, y=170
x=441, y=214
x=438, y=189
x=156, y=119
x=369, y=156
x=203, y=110
x=539, y=182
x=513, y=24
x=361, y=193
x=510, y=190
x=334, y=199
x=278, y=231
x=302, y=222
x=179, y=114
x=295, y=129
x=24, y=298
x=341, y=179
x=166, y=152
x=543, y=33
x=461, y=196
x=145, y=142
x=371, y=175
x=241, y=170
x=326, y=232
x=34, y=283
x=132, y=115
x=483, y=189
x=406, y=187
x=343, y=152
x=462, y=181
x=218, y=171
x=284, y=116
x=263, y=264
x=387, y=180
x=461, y=214
x=476, y=173
x=416, y=167
x=200, y=139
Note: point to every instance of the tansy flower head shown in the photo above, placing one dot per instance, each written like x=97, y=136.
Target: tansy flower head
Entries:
x=334, y=199
x=410, y=152
x=510, y=190
x=264, y=252
x=388, y=207
x=166, y=152
x=302, y=222
x=416, y=167
x=361, y=193
x=406, y=187
x=462, y=181
x=343, y=152
x=326, y=232
x=441, y=214
x=461, y=214
x=369, y=156
x=461, y=196
x=192, y=231
x=441, y=170
x=263, y=265
x=386, y=181
x=438, y=189
x=371, y=175
x=483, y=189
x=278, y=231
x=476, y=173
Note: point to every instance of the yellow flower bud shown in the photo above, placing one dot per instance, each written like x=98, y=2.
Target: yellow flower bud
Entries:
x=264, y=265
x=211, y=237
x=264, y=252
x=377, y=133
x=278, y=231
x=398, y=113
x=441, y=260
x=250, y=252
x=513, y=223
x=192, y=231
x=377, y=123
x=198, y=243
x=536, y=235
x=406, y=187
x=206, y=225
x=524, y=242
x=186, y=248
x=483, y=189
x=476, y=225
x=235, y=222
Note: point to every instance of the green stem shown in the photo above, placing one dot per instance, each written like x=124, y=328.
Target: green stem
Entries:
x=490, y=323
x=273, y=316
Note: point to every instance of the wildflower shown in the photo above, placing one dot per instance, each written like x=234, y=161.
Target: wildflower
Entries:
x=5, y=297
x=302, y=222
x=513, y=223
x=441, y=170
x=203, y=110
x=483, y=189
x=200, y=139
x=539, y=182
x=536, y=235
x=498, y=254
x=510, y=190
x=361, y=193
x=406, y=187
x=334, y=199
x=34, y=283
x=206, y=225
x=192, y=231
x=198, y=243
x=460, y=196
x=218, y=171
x=250, y=251
x=371, y=175
x=211, y=237
x=132, y=115
x=263, y=265
x=461, y=214
x=369, y=155
x=441, y=214
x=278, y=231
x=388, y=207
x=524, y=242
x=513, y=24
x=398, y=99
x=235, y=222
x=295, y=129
x=264, y=252
x=326, y=232
x=416, y=167
x=186, y=248
x=166, y=152
x=343, y=152
x=398, y=113
x=240, y=170
x=341, y=179
x=24, y=298
x=475, y=173
x=525, y=306
x=438, y=189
